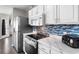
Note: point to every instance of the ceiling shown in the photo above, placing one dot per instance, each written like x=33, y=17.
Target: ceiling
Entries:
x=23, y=7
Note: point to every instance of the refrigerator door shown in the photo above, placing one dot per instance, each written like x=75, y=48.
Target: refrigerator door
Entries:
x=20, y=42
x=21, y=26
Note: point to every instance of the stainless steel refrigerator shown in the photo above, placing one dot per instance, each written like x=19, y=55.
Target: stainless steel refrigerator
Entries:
x=20, y=26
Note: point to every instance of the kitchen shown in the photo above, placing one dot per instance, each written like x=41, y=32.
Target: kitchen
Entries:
x=40, y=29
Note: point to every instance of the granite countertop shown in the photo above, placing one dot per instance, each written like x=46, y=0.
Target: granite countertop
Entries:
x=55, y=41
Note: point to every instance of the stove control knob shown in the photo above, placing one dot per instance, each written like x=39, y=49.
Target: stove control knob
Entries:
x=71, y=41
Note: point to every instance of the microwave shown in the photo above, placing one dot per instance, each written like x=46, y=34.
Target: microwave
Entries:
x=37, y=20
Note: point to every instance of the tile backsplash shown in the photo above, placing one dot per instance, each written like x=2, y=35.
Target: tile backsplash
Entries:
x=41, y=30
x=60, y=28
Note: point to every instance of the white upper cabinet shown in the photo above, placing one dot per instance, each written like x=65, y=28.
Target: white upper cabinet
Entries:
x=54, y=14
x=40, y=9
x=50, y=14
x=30, y=16
x=76, y=13
x=67, y=14
x=36, y=16
x=30, y=13
x=34, y=11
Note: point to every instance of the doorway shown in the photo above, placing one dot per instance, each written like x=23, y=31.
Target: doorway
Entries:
x=3, y=27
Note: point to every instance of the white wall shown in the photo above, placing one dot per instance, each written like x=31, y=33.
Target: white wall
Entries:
x=19, y=12
x=5, y=10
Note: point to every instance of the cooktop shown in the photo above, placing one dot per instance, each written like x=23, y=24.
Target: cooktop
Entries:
x=37, y=36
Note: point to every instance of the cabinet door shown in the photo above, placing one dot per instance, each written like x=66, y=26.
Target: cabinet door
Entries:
x=41, y=52
x=76, y=13
x=30, y=20
x=66, y=13
x=55, y=51
x=35, y=11
x=50, y=14
x=30, y=12
x=44, y=48
x=40, y=9
x=30, y=15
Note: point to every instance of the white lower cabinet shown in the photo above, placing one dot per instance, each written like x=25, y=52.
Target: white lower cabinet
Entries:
x=41, y=52
x=48, y=46
x=43, y=49
x=55, y=51
x=47, y=49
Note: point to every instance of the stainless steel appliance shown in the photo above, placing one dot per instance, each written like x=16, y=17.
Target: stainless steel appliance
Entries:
x=31, y=43
x=37, y=20
x=20, y=26
x=71, y=40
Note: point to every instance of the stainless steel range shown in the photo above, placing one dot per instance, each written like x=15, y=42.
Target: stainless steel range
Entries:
x=31, y=43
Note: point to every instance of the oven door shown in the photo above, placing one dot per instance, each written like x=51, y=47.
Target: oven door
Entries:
x=29, y=49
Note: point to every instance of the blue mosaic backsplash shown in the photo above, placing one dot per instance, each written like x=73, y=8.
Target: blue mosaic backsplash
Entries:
x=59, y=29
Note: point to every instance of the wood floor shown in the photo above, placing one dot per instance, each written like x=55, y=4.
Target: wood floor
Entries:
x=5, y=46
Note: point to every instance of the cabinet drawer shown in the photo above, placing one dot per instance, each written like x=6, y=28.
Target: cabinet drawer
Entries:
x=41, y=52
x=44, y=48
x=55, y=51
